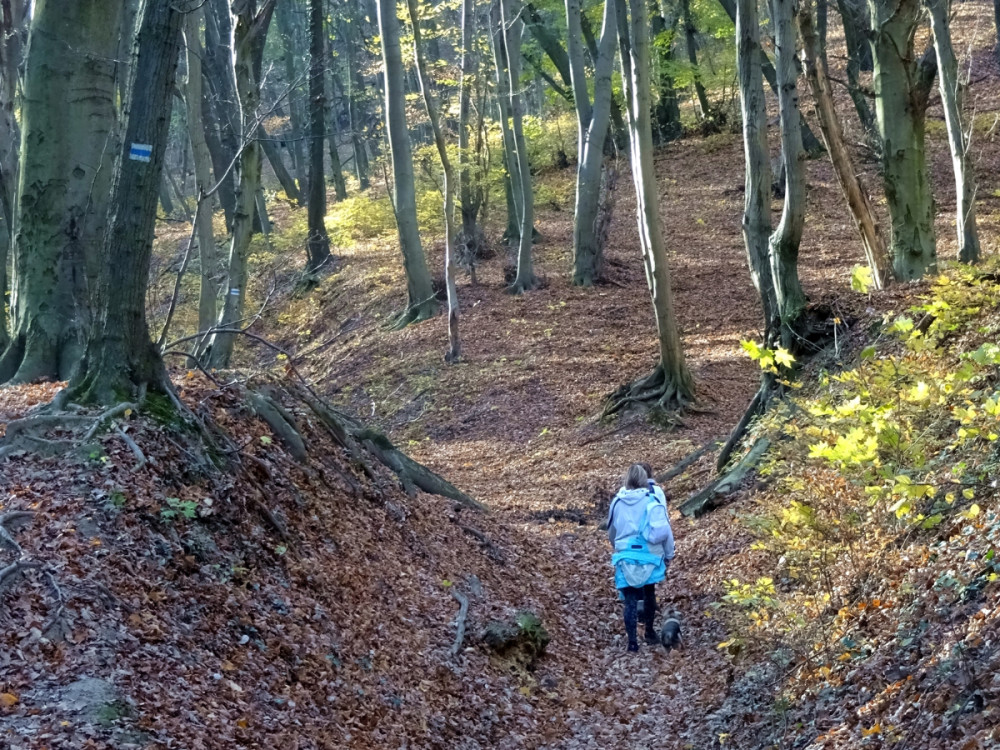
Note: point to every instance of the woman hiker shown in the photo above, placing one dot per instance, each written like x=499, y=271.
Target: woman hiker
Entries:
x=643, y=542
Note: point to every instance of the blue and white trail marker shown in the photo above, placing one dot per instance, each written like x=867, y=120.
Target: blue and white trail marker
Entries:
x=140, y=152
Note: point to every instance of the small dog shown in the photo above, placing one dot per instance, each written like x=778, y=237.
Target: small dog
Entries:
x=670, y=633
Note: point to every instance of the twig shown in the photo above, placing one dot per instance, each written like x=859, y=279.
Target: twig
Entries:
x=463, y=612
x=8, y=518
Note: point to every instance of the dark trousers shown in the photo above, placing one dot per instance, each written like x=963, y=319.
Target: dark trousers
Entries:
x=632, y=595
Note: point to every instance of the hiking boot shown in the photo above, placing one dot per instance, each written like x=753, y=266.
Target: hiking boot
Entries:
x=652, y=637
x=633, y=646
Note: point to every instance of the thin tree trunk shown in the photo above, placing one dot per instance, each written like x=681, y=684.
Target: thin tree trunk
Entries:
x=667, y=112
x=273, y=153
x=333, y=137
x=757, y=200
x=285, y=14
x=422, y=302
x=901, y=87
x=454, y=342
x=512, y=179
x=318, y=243
x=249, y=33
x=469, y=196
x=356, y=88
x=225, y=122
x=690, y=36
x=122, y=362
x=208, y=294
x=785, y=241
x=525, y=279
x=671, y=383
x=949, y=85
x=587, y=246
x=67, y=152
x=857, y=198
x=858, y=51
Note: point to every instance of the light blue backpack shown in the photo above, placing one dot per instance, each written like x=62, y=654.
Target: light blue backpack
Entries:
x=634, y=562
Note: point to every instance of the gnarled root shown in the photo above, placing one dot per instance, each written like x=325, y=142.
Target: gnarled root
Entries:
x=656, y=390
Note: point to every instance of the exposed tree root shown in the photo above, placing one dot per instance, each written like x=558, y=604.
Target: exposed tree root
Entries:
x=654, y=391
x=758, y=405
x=706, y=499
x=416, y=313
x=9, y=573
x=491, y=549
x=519, y=287
x=281, y=423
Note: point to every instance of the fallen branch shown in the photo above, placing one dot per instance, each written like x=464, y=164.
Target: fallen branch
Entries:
x=685, y=462
x=9, y=518
x=103, y=417
x=134, y=447
x=756, y=407
x=706, y=499
x=495, y=552
x=463, y=611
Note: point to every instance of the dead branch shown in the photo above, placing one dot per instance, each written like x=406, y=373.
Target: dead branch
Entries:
x=706, y=499
x=134, y=447
x=463, y=611
x=685, y=462
x=6, y=519
x=103, y=417
x=495, y=552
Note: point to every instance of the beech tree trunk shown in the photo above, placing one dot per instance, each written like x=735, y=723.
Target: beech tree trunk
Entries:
x=249, y=34
x=470, y=196
x=854, y=17
x=272, y=151
x=454, y=342
x=757, y=200
x=208, y=295
x=902, y=84
x=422, y=303
x=525, y=279
x=67, y=151
x=223, y=127
x=286, y=15
x=876, y=252
x=512, y=178
x=949, y=86
x=318, y=243
x=122, y=363
x=13, y=25
x=593, y=124
x=690, y=32
x=666, y=111
x=671, y=383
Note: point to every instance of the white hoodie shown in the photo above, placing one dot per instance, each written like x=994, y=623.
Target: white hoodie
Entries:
x=625, y=517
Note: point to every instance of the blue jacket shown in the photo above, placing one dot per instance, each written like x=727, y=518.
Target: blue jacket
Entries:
x=635, y=519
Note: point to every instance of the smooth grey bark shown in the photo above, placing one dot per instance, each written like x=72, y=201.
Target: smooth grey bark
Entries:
x=470, y=193
x=949, y=86
x=757, y=198
x=208, y=291
x=333, y=138
x=902, y=84
x=512, y=178
x=666, y=111
x=876, y=252
x=222, y=122
x=422, y=303
x=355, y=93
x=592, y=125
x=578, y=77
x=671, y=383
x=512, y=25
x=317, y=242
x=784, y=245
x=122, y=363
x=810, y=142
x=249, y=33
x=67, y=152
x=454, y=352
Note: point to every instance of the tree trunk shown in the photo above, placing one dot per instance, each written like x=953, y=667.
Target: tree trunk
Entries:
x=901, y=88
x=757, y=200
x=859, y=52
x=690, y=34
x=12, y=28
x=587, y=248
x=470, y=196
x=996, y=23
x=512, y=180
x=666, y=111
x=249, y=34
x=356, y=89
x=784, y=246
x=318, y=243
x=857, y=198
x=224, y=140
x=949, y=85
x=122, y=362
x=68, y=113
x=286, y=16
x=333, y=140
x=272, y=151
x=525, y=279
x=422, y=303
x=454, y=343
x=208, y=295
x=671, y=383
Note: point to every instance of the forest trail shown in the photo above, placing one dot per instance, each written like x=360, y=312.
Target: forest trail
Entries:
x=514, y=425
